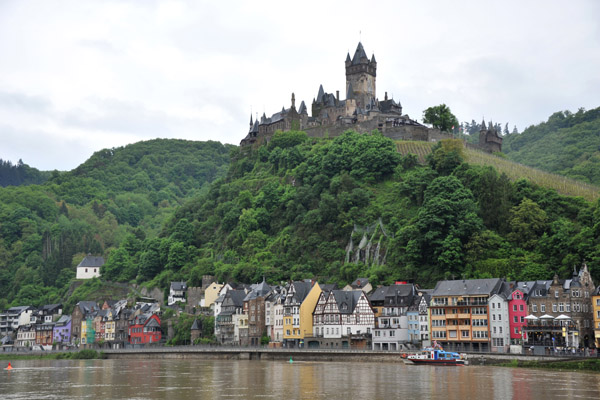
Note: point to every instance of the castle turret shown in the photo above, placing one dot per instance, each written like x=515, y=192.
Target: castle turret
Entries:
x=361, y=77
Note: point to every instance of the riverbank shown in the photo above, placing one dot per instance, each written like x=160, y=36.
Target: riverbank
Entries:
x=584, y=365
x=72, y=355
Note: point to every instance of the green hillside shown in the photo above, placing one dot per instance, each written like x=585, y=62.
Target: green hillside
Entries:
x=567, y=144
x=117, y=195
x=292, y=210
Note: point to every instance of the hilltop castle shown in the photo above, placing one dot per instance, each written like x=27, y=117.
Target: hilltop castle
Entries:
x=361, y=111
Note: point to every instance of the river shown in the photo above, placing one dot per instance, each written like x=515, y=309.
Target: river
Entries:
x=222, y=379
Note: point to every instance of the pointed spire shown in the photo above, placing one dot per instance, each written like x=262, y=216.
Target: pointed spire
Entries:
x=483, y=124
x=348, y=60
x=320, y=94
x=373, y=59
x=359, y=54
x=251, y=123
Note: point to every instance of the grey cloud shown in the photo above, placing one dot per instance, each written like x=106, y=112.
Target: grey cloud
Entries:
x=24, y=102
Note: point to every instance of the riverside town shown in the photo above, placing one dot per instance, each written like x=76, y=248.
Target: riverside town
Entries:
x=544, y=317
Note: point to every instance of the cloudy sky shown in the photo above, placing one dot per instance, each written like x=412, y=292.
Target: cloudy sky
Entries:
x=79, y=76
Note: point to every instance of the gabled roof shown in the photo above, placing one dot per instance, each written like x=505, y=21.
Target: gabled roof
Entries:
x=346, y=300
x=90, y=261
x=470, y=287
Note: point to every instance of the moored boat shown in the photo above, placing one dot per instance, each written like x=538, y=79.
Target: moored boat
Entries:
x=435, y=356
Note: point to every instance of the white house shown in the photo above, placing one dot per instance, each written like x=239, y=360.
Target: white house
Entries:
x=89, y=267
x=177, y=293
x=499, y=323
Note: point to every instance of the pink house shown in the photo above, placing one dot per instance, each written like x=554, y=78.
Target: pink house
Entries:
x=517, y=311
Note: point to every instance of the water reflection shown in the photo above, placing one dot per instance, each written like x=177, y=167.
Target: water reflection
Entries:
x=218, y=379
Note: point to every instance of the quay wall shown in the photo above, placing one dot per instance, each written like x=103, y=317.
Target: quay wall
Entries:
x=187, y=352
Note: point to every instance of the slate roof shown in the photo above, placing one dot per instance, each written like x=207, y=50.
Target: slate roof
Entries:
x=301, y=291
x=346, y=300
x=196, y=326
x=63, y=320
x=179, y=286
x=87, y=307
x=237, y=297
x=394, y=295
x=302, y=108
x=51, y=307
x=90, y=261
x=360, y=283
x=358, y=54
x=470, y=287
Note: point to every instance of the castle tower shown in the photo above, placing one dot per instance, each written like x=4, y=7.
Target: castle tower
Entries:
x=360, y=77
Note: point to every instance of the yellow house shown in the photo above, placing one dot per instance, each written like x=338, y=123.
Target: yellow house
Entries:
x=300, y=301
x=211, y=293
x=596, y=308
x=84, y=330
x=109, y=327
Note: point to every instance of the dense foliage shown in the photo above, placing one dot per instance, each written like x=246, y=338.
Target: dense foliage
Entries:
x=20, y=174
x=567, y=144
x=123, y=194
x=287, y=211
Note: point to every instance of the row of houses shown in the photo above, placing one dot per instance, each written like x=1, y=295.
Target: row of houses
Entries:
x=464, y=315
x=112, y=323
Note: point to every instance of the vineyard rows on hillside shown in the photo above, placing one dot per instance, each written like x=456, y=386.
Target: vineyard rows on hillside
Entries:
x=513, y=170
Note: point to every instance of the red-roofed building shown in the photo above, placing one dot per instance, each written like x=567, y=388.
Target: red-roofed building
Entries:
x=145, y=329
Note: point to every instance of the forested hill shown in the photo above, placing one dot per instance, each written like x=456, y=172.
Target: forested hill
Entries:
x=353, y=207
x=45, y=230
x=567, y=144
x=20, y=174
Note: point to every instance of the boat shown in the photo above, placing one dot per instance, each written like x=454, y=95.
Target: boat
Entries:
x=435, y=356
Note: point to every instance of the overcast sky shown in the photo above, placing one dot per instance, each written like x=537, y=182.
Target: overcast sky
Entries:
x=79, y=76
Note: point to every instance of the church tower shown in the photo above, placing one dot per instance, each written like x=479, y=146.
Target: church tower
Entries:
x=360, y=78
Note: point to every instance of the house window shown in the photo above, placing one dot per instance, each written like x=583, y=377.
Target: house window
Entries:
x=556, y=294
x=522, y=319
x=515, y=319
x=553, y=307
x=542, y=308
x=534, y=307
x=464, y=334
x=514, y=307
x=561, y=307
x=568, y=307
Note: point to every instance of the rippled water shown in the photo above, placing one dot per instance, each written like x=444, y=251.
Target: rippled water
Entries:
x=210, y=379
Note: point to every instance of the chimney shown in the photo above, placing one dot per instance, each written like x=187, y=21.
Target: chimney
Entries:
x=337, y=95
x=386, y=96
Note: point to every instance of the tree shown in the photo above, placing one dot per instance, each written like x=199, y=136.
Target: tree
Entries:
x=440, y=117
x=527, y=223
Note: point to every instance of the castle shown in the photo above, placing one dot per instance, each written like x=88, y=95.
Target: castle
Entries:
x=361, y=111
